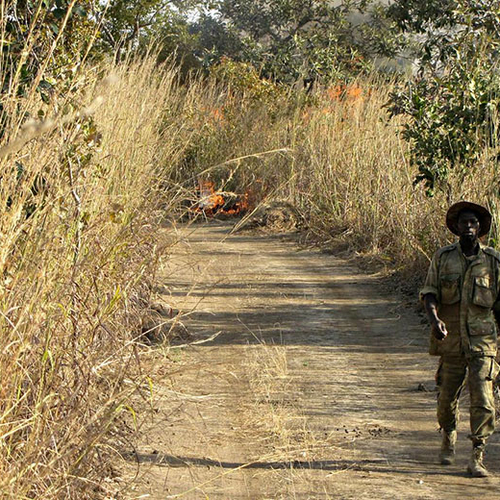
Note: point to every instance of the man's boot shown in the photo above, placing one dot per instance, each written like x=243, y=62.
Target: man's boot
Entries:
x=476, y=467
x=447, y=453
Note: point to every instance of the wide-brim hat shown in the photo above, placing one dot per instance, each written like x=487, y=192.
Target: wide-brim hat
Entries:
x=483, y=215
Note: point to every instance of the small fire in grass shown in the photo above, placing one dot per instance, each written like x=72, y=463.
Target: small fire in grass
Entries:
x=212, y=202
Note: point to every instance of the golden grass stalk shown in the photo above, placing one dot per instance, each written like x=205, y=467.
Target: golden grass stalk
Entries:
x=80, y=194
x=345, y=168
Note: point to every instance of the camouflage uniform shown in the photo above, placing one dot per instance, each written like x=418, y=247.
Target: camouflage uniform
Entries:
x=467, y=291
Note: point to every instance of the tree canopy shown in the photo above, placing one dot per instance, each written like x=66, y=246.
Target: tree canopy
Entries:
x=454, y=103
x=284, y=40
x=291, y=39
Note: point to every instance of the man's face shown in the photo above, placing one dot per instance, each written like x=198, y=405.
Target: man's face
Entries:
x=468, y=225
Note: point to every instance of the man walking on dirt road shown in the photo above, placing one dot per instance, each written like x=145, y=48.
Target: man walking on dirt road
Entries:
x=461, y=298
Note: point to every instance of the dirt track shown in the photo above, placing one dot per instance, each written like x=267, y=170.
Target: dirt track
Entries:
x=311, y=391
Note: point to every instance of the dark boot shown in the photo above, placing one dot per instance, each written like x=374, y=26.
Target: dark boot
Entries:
x=476, y=467
x=447, y=453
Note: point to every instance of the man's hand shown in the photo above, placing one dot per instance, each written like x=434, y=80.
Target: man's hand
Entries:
x=438, y=329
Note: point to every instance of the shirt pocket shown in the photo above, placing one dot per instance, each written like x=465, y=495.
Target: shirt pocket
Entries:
x=450, y=289
x=481, y=327
x=484, y=294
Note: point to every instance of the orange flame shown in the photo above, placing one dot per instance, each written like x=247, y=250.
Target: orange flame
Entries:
x=352, y=92
x=214, y=202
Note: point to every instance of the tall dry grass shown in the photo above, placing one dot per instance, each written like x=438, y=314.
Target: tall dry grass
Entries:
x=80, y=193
x=340, y=159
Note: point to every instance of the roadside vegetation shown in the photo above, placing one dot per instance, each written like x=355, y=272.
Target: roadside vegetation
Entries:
x=101, y=142
x=83, y=195
x=338, y=157
x=81, y=209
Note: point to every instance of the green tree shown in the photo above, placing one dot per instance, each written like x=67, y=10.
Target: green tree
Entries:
x=42, y=42
x=214, y=40
x=415, y=16
x=292, y=39
x=454, y=103
x=135, y=24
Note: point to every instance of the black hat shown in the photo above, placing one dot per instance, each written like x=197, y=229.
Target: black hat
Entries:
x=482, y=214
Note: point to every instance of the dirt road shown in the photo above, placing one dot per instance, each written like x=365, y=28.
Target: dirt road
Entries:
x=317, y=387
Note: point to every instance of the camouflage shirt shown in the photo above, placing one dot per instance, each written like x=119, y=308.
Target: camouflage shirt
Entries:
x=467, y=291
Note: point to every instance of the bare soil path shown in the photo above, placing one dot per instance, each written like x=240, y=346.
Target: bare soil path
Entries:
x=318, y=386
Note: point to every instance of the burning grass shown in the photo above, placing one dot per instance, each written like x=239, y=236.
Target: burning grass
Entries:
x=214, y=202
x=341, y=162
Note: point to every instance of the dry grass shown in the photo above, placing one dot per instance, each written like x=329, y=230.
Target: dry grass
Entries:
x=340, y=160
x=277, y=414
x=274, y=414
x=80, y=193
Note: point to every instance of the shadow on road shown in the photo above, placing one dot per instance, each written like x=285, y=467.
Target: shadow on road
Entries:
x=381, y=465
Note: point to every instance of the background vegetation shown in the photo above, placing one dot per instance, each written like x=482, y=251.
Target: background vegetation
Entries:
x=100, y=140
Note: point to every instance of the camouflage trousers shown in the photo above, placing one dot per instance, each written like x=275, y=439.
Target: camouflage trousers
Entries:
x=450, y=379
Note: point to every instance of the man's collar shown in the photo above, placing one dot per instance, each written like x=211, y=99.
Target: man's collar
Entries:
x=480, y=251
x=481, y=247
